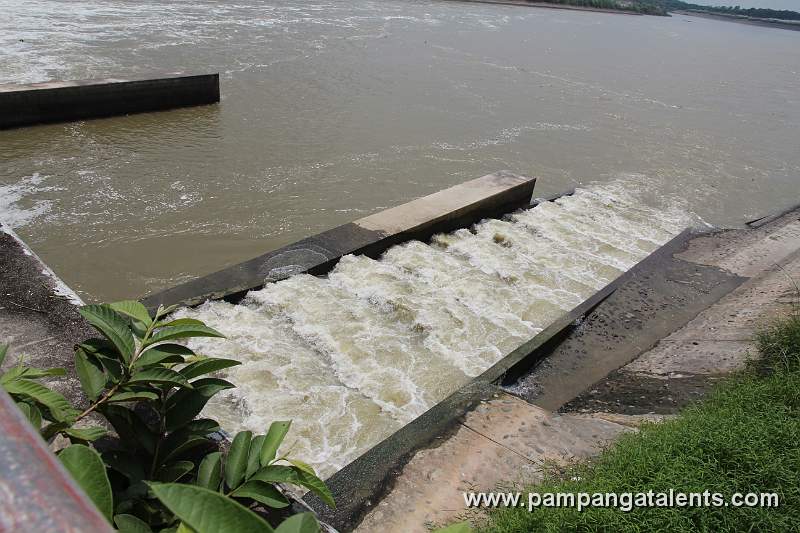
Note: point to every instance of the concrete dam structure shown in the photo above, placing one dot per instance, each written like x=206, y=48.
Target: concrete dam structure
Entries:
x=358, y=351
x=377, y=336
x=59, y=101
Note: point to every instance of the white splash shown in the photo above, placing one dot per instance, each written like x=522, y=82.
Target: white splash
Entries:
x=355, y=355
x=12, y=211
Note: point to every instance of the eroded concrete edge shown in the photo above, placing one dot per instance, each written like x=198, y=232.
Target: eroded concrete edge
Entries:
x=460, y=206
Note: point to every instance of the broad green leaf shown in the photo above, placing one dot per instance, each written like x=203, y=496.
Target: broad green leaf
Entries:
x=88, y=434
x=112, y=366
x=175, y=471
x=127, y=464
x=51, y=430
x=19, y=372
x=207, y=511
x=317, y=486
x=160, y=375
x=183, y=528
x=133, y=309
x=236, y=461
x=132, y=396
x=59, y=407
x=299, y=523
x=210, y=364
x=277, y=474
x=209, y=474
x=89, y=472
x=277, y=431
x=162, y=353
x=112, y=326
x=254, y=456
x=181, y=448
x=32, y=413
x=90, y=372
x=202, y=427
x=185, y=404
x=181, y=322
x=164, y=311
x=3, y=352
x=460, y=527
x=131, y=429
x=182, y=332
x=302, y=466
x=263, y=493
x=127, y=523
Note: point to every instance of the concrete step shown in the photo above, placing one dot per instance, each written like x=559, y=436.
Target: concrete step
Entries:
x=502, y=442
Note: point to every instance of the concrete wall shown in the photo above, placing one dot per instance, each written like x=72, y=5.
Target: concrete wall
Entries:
x=24, y=105
x=447, y=210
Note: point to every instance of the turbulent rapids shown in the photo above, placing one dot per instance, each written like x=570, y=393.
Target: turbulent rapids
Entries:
x=354, y=356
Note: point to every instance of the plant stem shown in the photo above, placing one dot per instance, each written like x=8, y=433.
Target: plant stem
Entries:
x=110, y=392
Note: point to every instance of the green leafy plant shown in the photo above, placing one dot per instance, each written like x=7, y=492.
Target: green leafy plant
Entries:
x=138, y=449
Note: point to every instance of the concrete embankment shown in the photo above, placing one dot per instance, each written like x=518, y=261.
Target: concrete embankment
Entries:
x=659, y=339
x=38, y=314
x=59, y=101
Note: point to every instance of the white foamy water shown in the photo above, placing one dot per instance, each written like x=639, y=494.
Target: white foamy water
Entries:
x=354, y=356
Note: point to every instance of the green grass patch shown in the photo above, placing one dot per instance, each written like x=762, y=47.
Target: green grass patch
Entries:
x=744, y=437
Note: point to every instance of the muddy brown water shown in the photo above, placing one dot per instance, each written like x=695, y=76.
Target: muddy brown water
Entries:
x=333, y=110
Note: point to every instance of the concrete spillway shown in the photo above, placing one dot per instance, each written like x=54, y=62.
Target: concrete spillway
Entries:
x=353, y=356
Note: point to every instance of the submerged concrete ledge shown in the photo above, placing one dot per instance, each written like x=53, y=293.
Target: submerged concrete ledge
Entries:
x=59, y=101
x=457, y=207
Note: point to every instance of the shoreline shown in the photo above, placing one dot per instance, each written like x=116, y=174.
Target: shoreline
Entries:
x=546, y=5
x=768, y=23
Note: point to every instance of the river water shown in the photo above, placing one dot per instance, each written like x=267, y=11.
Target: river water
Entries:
x=334, y=110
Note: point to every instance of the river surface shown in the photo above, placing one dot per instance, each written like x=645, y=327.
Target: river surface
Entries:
x=333, y=110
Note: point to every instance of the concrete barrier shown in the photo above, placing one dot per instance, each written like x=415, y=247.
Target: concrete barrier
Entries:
x=447, y=210
x=37, y=103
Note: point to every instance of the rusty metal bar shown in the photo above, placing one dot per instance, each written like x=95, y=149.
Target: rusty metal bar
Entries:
x=36, y=492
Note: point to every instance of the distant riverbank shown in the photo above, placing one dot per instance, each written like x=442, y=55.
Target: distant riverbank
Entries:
x=771, y=23
x=552, y=6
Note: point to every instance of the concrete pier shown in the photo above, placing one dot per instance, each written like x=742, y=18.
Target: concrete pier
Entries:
x=447, y=210
x=59, y=101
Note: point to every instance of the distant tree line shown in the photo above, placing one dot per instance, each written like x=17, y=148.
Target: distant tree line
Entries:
x=647, y=8
x=754, y=12
x=662, y=7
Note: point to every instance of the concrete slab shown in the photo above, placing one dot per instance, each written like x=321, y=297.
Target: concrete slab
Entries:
x=58, y=101
x=457, y=207
x=663, y=294
x=502, y=442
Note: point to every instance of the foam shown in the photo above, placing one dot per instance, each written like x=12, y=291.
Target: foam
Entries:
x=354, y=356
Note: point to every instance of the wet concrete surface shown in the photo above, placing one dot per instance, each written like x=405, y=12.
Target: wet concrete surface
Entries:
x=39, y=319
x=661, y=295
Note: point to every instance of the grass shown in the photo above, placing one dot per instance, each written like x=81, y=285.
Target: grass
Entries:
x=744, y=437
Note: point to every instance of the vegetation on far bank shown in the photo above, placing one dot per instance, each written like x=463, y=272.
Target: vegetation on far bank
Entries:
x=663, y=7
x=743, y=438
x=753, y=12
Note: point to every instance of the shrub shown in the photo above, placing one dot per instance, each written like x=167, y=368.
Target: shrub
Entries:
x=163, y=469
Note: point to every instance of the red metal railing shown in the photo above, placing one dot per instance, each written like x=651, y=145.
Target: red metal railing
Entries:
x=36, y=492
